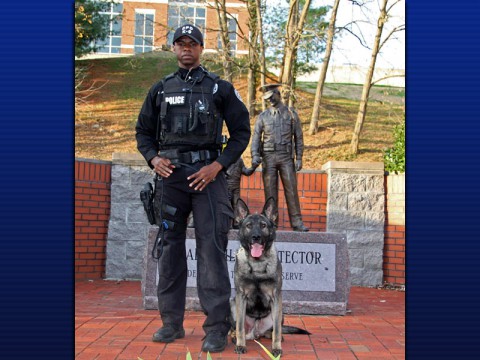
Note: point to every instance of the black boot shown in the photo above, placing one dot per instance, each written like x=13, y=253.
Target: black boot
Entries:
x=168, y=334
x=300, y=227
x=215, y=341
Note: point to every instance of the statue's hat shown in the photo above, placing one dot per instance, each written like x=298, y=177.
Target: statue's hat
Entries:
x=269, y=90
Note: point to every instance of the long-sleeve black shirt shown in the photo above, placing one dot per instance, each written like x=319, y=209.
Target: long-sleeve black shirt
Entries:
x=226, y=100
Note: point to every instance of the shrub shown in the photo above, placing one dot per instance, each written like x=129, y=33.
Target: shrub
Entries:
x=394, y=158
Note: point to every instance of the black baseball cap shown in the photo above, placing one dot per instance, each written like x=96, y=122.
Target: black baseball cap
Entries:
x=188, y=30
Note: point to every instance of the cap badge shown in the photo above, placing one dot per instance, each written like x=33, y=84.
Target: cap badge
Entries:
x=187, y=29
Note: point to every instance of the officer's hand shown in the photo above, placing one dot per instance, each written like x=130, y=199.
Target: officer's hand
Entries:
x=256, y=160
x=248, y=171
x=162, y=166
x=205, y=176
x=298, y=165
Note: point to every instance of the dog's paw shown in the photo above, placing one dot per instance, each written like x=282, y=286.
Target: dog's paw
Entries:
x=276, y=352
x=240, y=349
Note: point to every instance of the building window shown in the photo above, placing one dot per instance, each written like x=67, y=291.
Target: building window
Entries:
x=232, y=36
x=185, y=11
x=111, y=45
x=144, y=21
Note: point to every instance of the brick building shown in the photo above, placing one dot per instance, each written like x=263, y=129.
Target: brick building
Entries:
x=149, y=25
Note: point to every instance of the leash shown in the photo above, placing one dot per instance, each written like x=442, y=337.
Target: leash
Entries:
x=158, y=246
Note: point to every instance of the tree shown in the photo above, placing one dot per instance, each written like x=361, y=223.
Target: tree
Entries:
x=90, y=25
x=311, y=44
x=224, y=20
x=261, y=43
x=293, y=34
x=377, y=46
x=225, y=51
x=256, y=53
x=253, y=63
x=323, y=74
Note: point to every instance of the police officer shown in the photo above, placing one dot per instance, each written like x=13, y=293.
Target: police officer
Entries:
x=277, y=140
x=178, y=132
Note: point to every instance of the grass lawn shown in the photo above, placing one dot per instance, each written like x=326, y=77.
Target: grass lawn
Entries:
x=105, y=121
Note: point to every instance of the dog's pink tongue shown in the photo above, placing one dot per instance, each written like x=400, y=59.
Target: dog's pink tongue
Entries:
x=256, y=250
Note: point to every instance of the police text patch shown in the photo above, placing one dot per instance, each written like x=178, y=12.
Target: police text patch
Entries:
x=175, y=100
x=238, y=95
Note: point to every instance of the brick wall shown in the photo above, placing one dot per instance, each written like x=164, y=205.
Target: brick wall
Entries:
x=394, y=245
x=92, y=212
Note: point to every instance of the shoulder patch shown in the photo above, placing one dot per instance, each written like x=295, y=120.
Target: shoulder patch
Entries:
x=238, y=95
x=215, y=88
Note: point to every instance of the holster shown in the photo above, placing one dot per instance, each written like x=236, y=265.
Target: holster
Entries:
x=146, y=196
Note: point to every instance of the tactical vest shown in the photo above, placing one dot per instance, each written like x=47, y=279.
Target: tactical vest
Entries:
x=188, y=117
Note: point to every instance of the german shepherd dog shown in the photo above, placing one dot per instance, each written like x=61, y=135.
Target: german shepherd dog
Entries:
x=257, y=306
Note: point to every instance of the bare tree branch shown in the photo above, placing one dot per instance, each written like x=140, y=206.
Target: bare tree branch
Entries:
x=392, y=5
x=81, y=95
x=355, y=22
x=358, y=38
x=358, y=3
x=393, y=31
x=387, y=77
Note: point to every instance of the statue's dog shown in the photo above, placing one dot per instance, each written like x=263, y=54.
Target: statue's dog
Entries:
x=257, y=306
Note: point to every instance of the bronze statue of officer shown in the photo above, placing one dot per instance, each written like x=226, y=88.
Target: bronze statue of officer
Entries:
x=277, y=144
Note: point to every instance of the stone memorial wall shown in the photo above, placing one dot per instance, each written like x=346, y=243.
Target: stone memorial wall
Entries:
x=355, y=210
x=315, y=271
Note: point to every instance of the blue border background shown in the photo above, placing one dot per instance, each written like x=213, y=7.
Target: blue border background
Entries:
x=442, y=179
x=36, y=186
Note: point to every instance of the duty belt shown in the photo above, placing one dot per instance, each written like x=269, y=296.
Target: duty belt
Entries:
x=276, y=147
x=191, y=157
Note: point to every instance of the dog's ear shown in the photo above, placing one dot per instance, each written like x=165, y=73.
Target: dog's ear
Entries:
x=270, y=210
x=241, y=211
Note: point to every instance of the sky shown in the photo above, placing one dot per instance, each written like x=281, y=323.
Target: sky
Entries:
x=347, y=48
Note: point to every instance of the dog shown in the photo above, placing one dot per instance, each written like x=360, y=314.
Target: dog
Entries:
x=257, y=306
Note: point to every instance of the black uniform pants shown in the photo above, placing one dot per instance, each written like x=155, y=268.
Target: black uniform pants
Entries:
x=281, y=162
x=212, y=215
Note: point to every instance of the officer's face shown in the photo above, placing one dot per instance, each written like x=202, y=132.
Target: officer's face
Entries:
x=188, y=52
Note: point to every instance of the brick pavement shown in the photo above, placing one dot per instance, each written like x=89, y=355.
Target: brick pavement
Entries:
x=110, y=323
